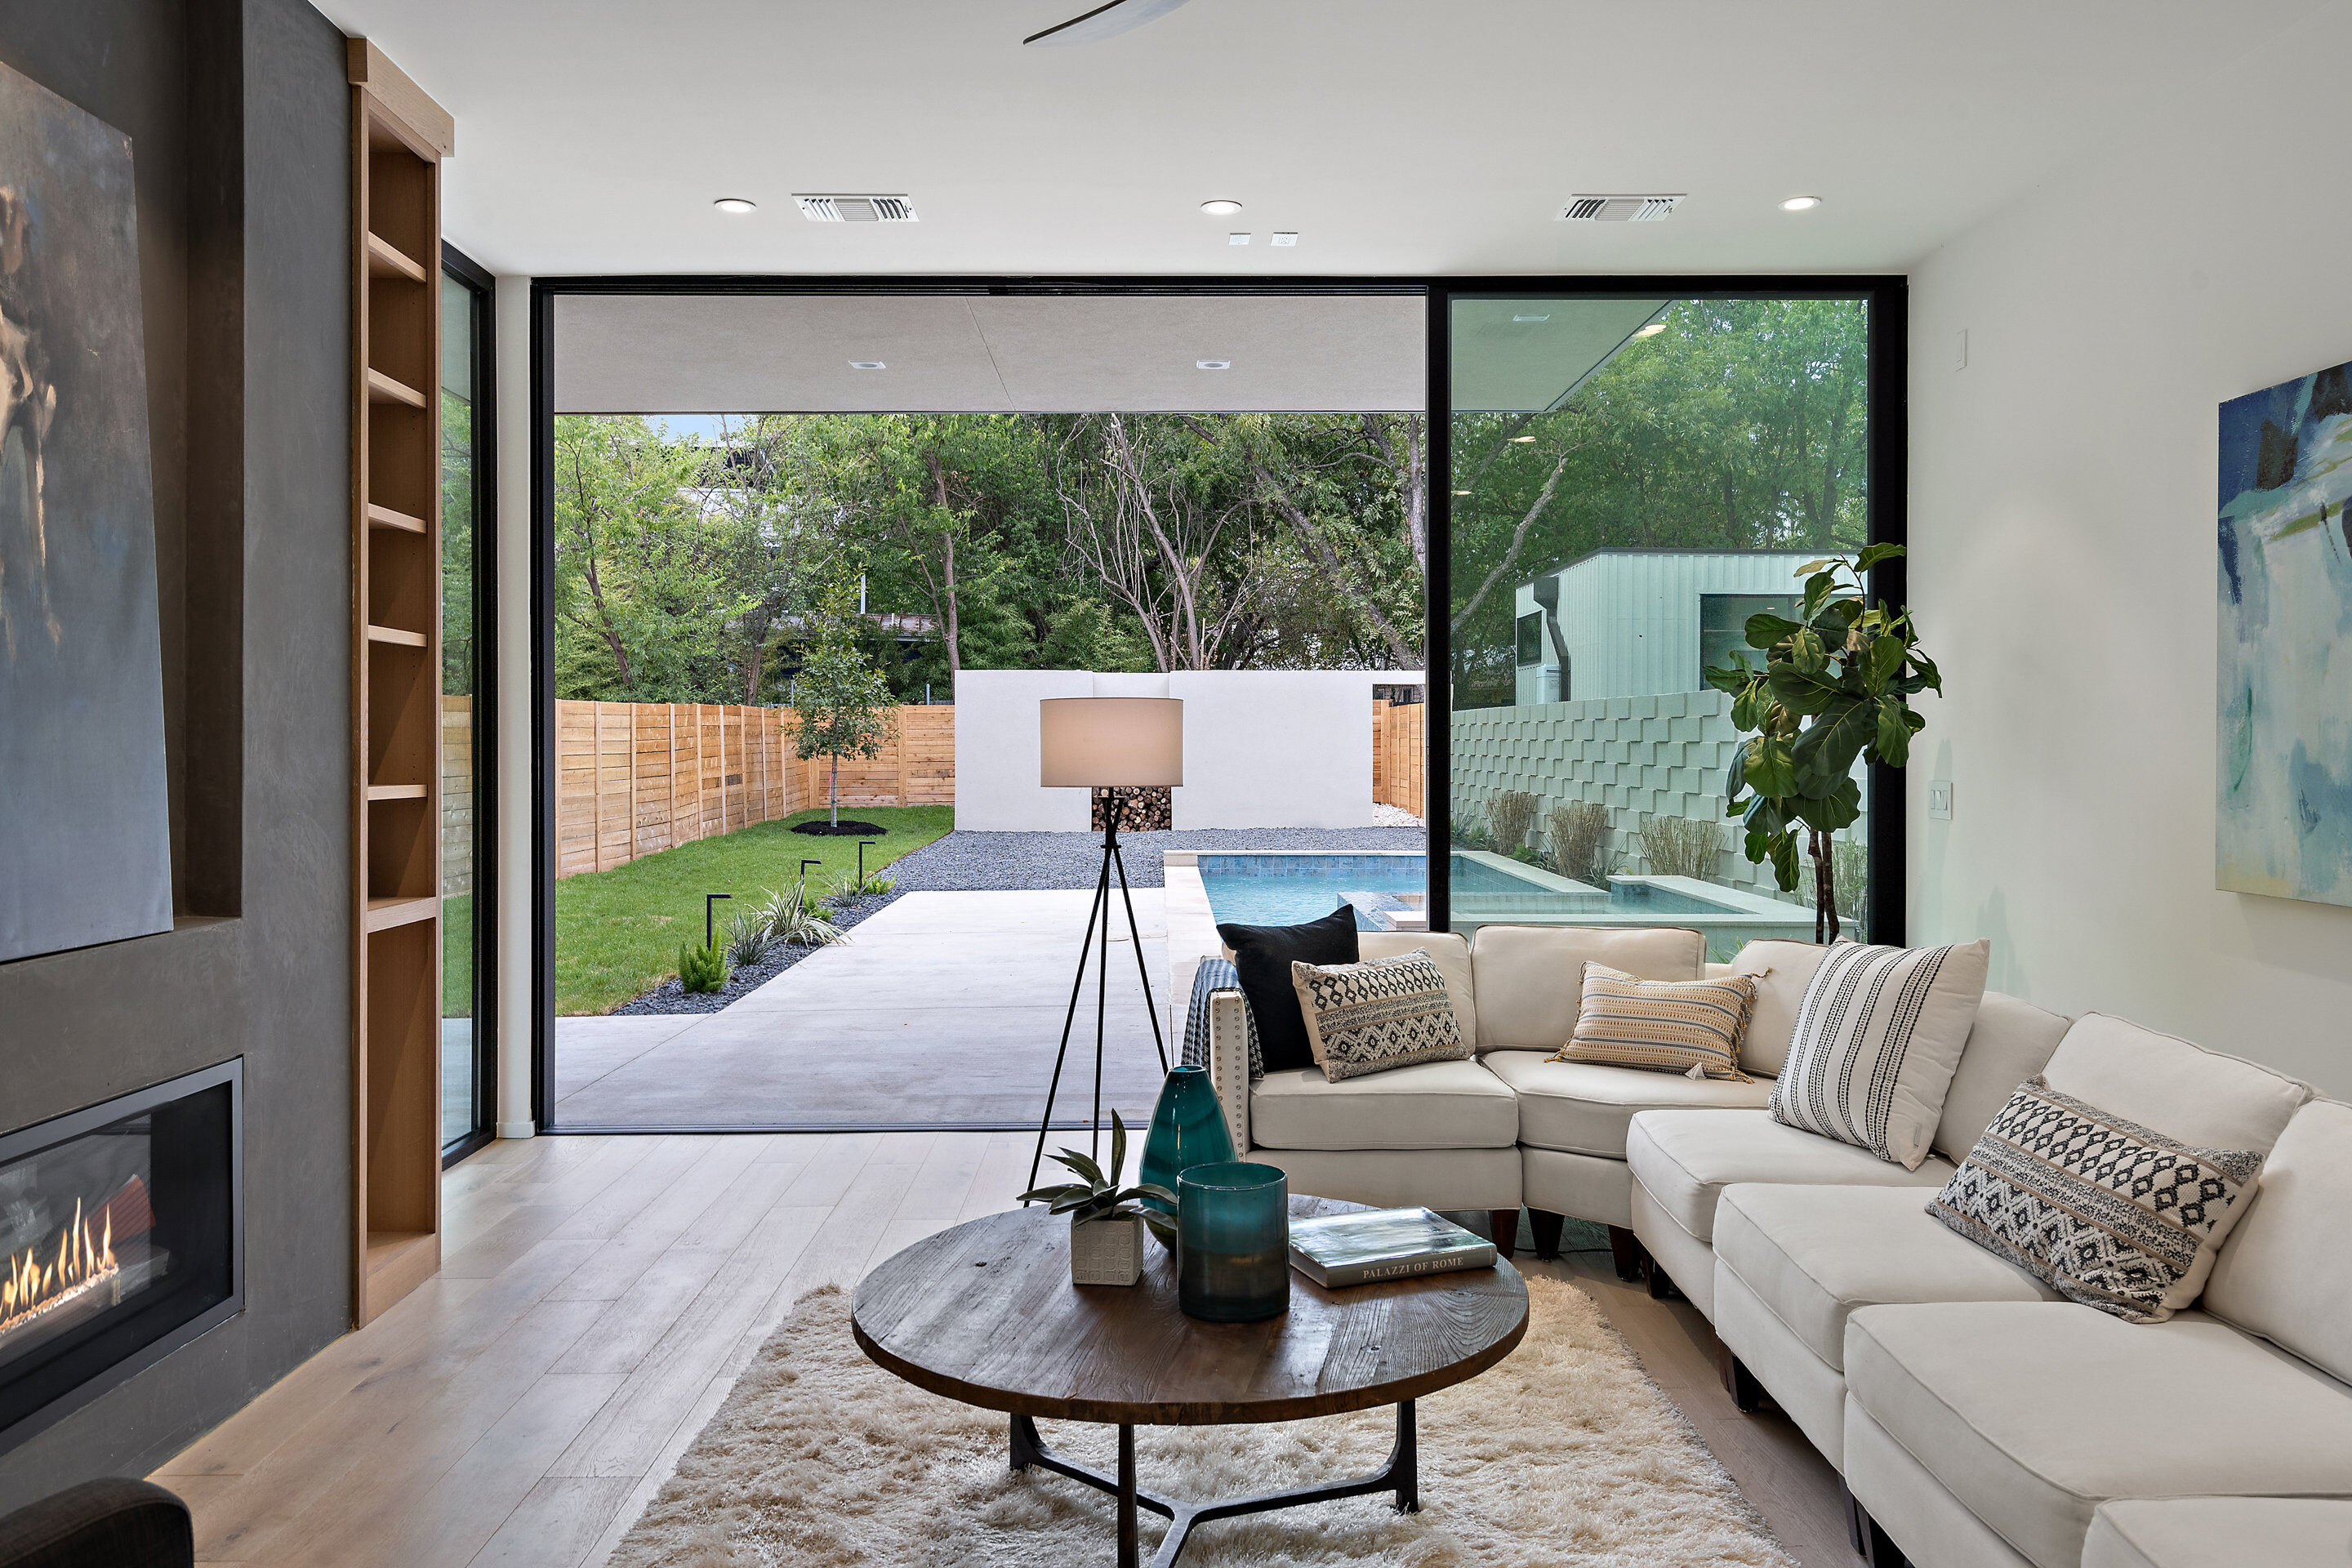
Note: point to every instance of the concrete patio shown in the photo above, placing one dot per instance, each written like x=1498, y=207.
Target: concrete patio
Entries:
x=943, y=1010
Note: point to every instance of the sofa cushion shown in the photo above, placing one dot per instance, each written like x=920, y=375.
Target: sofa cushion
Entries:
x=2104, y=1211
x=2219, y=1532
x=1685, y=1158
x=1529, y=977
x=2008, y=1042
x=2034, y=1414
x=1782, y=971
x=2286, y=1273
x=2199, y=1097
x=1813, y=1254
x=1878, y=1038
x=1449, y=951
x=1583, y=1108
x=1434, y=1105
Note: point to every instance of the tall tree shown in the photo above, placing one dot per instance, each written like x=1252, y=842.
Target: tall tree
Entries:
x=843, y=700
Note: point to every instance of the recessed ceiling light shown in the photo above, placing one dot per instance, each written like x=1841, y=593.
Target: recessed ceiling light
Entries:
x=1212, y=364
x=1652, y=330
x=1223, y=206
x=1800, y=204
x=1545, y=317
x=1285, y=238
x=1237, y=239
x=866, y=364
x=1521, y=440
x=735, y=205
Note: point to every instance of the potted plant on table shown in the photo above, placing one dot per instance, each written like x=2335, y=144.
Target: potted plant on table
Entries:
x=1106, y=1221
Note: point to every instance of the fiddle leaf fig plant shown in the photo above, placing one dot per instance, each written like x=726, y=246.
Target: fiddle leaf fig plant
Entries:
x=1834, y=688
x=1097, y=1197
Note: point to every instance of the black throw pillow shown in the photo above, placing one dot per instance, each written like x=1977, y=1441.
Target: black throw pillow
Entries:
x=1263, y=956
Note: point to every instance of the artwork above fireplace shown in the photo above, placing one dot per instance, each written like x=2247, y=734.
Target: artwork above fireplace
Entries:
x=121, y=1238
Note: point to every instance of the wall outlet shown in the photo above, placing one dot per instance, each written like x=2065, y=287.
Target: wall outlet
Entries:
x=1940, y=800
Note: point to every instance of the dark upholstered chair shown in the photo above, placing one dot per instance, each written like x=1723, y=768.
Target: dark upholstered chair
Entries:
x=101, y=1524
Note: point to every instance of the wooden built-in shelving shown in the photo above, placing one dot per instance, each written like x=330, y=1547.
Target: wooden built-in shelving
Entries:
x=399, y=137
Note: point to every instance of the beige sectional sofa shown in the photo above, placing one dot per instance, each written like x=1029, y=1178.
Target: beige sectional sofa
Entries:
x=1979, y=1419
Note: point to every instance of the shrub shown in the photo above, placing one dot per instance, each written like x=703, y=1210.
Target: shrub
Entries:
x=701, y=968
x=1579, y=831
x=748, y=939
x=1511, y=813
x=849, y=890
x=787, y=918
x=1681, y=845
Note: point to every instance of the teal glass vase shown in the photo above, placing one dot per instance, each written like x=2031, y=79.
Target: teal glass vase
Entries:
x=1233, y=1242
x=1188, y=1129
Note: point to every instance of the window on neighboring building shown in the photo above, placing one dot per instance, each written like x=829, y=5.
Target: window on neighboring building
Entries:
x=1530, y=636
x=1723, y=626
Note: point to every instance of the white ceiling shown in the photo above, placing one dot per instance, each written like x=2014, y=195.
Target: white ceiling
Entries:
x=1394, y=136
x=701, y=353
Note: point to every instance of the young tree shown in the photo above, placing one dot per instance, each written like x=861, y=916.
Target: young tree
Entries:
x=844, y=700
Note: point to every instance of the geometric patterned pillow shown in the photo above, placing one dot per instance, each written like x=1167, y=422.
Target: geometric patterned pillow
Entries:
x=2102, y=1210
x=1369, y=1017
x=1689, y=1026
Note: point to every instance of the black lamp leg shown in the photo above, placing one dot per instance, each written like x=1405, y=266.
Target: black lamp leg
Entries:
x=1142, y=970
x=1100, y=907
x=1102, y=995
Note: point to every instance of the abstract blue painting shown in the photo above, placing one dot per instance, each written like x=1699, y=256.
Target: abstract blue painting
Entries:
x=2284, y=787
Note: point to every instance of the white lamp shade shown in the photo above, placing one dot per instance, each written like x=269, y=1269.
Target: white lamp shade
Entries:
x=1087, y=741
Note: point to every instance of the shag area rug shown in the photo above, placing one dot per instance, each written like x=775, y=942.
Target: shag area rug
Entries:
x=1563, y=1454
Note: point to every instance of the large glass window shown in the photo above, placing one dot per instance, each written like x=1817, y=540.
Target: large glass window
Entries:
x=466, y=1111
x=1632, y=479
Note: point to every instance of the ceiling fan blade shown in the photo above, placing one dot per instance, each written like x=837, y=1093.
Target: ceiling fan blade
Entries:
x=1104, y=22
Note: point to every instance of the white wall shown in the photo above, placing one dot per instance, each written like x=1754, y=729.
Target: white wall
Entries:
x=1262, y=747
x=2062, y=538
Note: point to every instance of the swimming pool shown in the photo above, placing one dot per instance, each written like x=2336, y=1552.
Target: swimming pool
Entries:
x=1389, y=892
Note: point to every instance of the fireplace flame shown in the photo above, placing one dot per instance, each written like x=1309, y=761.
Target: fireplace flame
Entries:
x=41, y=1281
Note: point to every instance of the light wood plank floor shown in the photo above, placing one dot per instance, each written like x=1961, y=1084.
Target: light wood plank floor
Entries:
x=598, y=1297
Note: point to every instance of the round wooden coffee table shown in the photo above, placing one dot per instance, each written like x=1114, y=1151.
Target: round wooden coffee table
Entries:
x=985, y=1313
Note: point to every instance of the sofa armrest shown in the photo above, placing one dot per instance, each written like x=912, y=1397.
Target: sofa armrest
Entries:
x=113, y=1523
x=1229, y=1063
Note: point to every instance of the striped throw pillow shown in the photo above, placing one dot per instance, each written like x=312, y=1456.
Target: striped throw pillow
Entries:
x=1689, y=1026
x=1369, y=1017
x=1877, y=1037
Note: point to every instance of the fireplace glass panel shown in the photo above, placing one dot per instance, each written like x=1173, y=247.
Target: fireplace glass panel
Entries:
x=115, y=1238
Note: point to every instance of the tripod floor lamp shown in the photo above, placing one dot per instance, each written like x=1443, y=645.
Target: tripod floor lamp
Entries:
x=1094, y=742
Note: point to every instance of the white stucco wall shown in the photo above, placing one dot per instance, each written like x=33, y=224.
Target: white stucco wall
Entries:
x=1262, y=747
x=2062, y=562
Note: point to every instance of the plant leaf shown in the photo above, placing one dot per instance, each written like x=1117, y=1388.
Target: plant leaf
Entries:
x=1118, y=1148
x=1872, y=554
x=1153, y=1191
x=1832, y=811
x=1765, y=629
x=1801, y=693
x=1084, y=1165
x=1770, y=767
x=1894, y=732
x=1881, y=660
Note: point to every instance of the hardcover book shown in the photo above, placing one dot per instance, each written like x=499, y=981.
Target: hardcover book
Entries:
x=1386, y=1243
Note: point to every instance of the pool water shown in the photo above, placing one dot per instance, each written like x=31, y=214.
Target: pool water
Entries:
x=1286, y=890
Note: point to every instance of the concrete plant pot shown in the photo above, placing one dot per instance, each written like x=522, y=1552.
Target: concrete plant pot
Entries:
x=1107, y=1251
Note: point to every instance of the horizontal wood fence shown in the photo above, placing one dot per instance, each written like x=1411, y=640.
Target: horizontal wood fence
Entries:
x=636, y=778
x=1400, y=754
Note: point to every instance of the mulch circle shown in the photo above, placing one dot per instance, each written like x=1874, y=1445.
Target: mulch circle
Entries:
x=840, y=829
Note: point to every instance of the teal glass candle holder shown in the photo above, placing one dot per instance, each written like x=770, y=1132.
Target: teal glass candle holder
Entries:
x=1232, y=1235
x=1188, y=1129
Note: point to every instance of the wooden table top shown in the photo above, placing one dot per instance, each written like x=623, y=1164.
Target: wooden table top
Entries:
x=985, y=1313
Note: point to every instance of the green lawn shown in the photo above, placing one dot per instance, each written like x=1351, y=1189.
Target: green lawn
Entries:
x=617, y=933
x=457, y=956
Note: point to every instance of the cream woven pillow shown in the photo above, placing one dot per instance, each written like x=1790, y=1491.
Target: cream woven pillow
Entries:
x=1689, y=1026
x=1877, y=1040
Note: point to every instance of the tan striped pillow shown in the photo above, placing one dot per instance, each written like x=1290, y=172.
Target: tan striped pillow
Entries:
x=1689, y=1026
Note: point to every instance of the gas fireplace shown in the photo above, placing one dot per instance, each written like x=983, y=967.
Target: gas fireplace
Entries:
x=120, y=1240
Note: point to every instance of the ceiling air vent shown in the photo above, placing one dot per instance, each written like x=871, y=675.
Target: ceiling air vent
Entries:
x=856, y=209
x=1619, y=209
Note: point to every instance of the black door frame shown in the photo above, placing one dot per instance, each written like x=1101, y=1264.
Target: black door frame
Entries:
x=482, y=286
x=1887, y=462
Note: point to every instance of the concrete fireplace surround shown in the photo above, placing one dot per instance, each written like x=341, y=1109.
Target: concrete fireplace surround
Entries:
x=237, y=111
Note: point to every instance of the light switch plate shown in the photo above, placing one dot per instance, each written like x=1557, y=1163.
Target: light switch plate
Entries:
x=1940, y=800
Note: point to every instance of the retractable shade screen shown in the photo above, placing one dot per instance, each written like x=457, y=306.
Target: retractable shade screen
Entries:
x=1522, y=356
x=989, y=353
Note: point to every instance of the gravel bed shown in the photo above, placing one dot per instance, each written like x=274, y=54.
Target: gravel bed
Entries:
x=974, y=862
x=1002, y=862
x=668, y=997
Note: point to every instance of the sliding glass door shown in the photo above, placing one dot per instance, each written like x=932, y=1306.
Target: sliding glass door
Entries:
x=468, y=1107
x=1631, y=477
